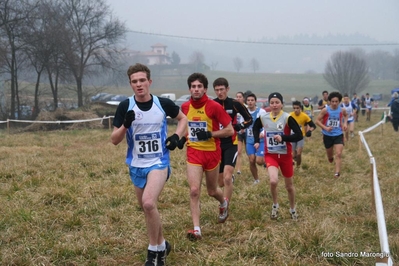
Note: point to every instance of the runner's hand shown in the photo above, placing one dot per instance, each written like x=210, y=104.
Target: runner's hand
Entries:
x=172, y=142
x=180, y=145
x=129, y=118
x=204, y=135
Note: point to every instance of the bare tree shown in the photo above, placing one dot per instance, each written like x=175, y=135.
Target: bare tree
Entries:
x=214, y=65
x=90, y=38
x=12, y=19
x=380, y=65
x=346, y=73
x=197, y=59
x=175, y=59
x=254, y=64
x=238, y=64
x=36, y=36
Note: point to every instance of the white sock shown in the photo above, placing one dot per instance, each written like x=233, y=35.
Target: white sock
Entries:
x=197, y=228
x=275, y=205
x=224, y=204
x=152, y=248
x=162, y=246
x=292, y=210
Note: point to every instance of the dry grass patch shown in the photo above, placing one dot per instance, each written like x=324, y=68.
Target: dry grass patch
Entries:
x=66, y=199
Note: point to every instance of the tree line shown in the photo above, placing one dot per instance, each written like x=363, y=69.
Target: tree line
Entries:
x=350, y=71
x=64, y=41
x=60, y=42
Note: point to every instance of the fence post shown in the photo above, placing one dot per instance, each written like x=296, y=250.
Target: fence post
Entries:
x=8, y=126
x=372, y=185
x=109, y=122
x=381, y=261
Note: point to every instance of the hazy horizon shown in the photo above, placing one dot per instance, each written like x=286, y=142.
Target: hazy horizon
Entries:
x=254, y=20
x=249, y=28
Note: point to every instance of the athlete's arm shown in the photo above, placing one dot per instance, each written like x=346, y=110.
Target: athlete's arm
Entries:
x=311, y=124
x=319, y=119
x=256, y=129
x=293, y=125
x=245, y=115
x=172, y=110
x=119, y=132
x=345, y=119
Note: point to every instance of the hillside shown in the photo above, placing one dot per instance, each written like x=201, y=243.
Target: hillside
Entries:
x=298, y=54
x=262, y=84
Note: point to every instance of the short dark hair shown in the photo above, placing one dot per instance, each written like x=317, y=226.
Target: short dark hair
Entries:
x=242, y=94
x=325, y=92
x=251, y=95
x=220, y=82
x=197, y=76
x=139, y=68
x=298, y=103
x=335, y=94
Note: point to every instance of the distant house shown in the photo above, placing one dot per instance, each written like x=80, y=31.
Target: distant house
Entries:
x=157, y=56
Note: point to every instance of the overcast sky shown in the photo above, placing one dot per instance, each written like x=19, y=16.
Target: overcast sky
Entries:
x=254, y=19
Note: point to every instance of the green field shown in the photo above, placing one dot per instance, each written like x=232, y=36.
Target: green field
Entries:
x=262, y=84
x=66, y=199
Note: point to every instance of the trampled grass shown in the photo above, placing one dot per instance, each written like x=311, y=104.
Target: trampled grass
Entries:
x=66, y=199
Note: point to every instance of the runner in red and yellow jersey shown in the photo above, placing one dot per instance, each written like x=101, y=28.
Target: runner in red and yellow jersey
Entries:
x=207, y=122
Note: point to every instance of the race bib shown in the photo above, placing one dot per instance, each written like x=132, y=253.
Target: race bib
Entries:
x=148, y=145
x=272, y=144
x=333, y=122
x=194, y=127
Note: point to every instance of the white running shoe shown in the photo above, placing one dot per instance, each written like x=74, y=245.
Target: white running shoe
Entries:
x=274, y=213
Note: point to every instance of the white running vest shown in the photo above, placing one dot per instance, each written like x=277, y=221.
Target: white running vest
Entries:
x=274, y=127
x=146, y=136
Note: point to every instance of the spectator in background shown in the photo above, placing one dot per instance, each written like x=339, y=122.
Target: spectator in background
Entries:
x=363, y=105
x=315, y=99
x=323, y=101
x=391, y=100
x=368, y=101
x=394, y=115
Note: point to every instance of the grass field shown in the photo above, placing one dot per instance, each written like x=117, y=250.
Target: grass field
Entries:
x=66, y=199
x=262, y=84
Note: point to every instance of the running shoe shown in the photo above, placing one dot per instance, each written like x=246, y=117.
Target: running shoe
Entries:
x=274, y=213
x=256, y=181
x=194, y=235
x=163, y=254
x=294, y=216
x=151, y=258
x=337, y=174
x=232, y=178
x=224, y=212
